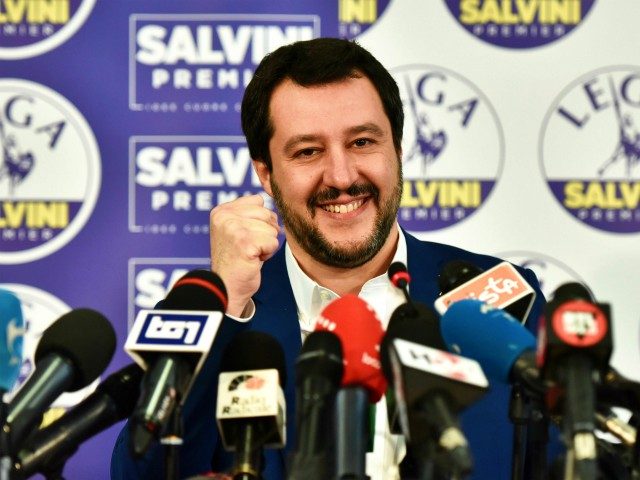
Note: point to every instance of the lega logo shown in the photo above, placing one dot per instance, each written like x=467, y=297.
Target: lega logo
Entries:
x=519, y=24
x=356, y=16
x=590, y=149
x=43, y=137
x=551, y=272
x=33, y=27
x=453, y=147
x=40, y=309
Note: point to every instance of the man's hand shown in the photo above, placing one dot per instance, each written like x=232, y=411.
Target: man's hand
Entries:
x=243, y=234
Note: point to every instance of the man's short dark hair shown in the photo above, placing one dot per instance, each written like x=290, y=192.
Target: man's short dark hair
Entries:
x=313, y=62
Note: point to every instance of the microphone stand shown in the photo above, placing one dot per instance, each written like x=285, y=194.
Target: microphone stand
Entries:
x=172, y=440
x=519, y=416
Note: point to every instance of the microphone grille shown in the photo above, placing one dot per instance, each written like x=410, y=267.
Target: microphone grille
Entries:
x=86, y=338
x=572, y=291
x=455, y=273
x=321, y=355
x=197, y=290
x=253, y=350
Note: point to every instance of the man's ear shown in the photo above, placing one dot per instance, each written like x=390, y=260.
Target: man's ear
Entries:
x=264, y=175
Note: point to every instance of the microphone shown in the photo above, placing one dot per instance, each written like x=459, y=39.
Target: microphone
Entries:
x=411, y=321
x=72, y=352
x=501, y=286
x=319, y=371
x=251, y=407
x=504, y=348
x=112, y=401
x=171, y=344
x=360, y=331
x=11, y=340
x=574, y=348
x=431, y=386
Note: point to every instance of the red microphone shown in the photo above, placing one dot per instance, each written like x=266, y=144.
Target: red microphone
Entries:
x=360, y=332
x=355, y=323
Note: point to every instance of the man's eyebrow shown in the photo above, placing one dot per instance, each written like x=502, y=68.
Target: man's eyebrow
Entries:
x=368, y=127
x=293, y=141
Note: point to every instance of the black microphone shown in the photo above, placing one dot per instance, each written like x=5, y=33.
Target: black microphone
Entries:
x=319, y=371
x=71, y=354
x=250, y=407
x=411, y=321
x=574, y=348
x=112, y=401
x=171, y=343
x=431, y=387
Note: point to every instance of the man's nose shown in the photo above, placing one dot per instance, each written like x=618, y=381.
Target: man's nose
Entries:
x=340, y=170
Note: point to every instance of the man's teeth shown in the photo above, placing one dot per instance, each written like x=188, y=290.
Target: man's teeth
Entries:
x=344, y=208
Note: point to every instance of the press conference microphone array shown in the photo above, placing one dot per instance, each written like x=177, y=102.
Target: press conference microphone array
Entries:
x=360, y=331
x=72, y=352
x=251, y=406
x=319, y=371
x=112, y=401
x=574, y=348
x=171, y=343
x=501, y=286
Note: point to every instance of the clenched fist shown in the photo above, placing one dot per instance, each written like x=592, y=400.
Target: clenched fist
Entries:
x=243, y=234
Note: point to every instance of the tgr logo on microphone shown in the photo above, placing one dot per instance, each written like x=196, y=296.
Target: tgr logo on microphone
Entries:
x=453, y=147
x=590, y=149
x=202, y=62
x=170, y=328
x=519, y=24
x=32, y=27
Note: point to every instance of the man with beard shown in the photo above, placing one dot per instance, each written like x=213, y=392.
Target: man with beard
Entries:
x=323, y=121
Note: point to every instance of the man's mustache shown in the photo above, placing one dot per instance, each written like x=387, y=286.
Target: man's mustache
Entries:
x=332, y=193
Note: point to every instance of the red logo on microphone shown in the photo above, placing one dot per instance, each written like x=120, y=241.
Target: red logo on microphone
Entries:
x=579, y=323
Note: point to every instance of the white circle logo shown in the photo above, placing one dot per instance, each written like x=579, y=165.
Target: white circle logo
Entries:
x=453, y=147
x=50, y=171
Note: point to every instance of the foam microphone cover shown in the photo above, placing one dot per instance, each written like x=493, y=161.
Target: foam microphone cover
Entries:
x=83, y=336
x=197, y=290
x=320, y=356
x=11, y=339
x=360, y=331
x=253, y=350
x=490, y=336
x=572, y=291
x=456, y=273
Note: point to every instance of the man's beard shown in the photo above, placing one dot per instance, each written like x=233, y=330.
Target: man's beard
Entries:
x=319, y=247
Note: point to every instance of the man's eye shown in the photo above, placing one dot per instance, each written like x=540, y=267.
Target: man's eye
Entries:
x=306, y=152
x=362, y=142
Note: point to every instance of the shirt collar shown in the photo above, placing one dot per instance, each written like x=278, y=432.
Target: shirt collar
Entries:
x=311, y=297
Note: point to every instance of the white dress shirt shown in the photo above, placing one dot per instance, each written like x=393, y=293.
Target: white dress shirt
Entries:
x=311, y=298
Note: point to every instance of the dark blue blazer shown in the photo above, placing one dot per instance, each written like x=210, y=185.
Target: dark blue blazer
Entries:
x=485, y=423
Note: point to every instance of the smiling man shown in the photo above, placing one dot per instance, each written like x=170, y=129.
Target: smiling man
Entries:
x=323, y=120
